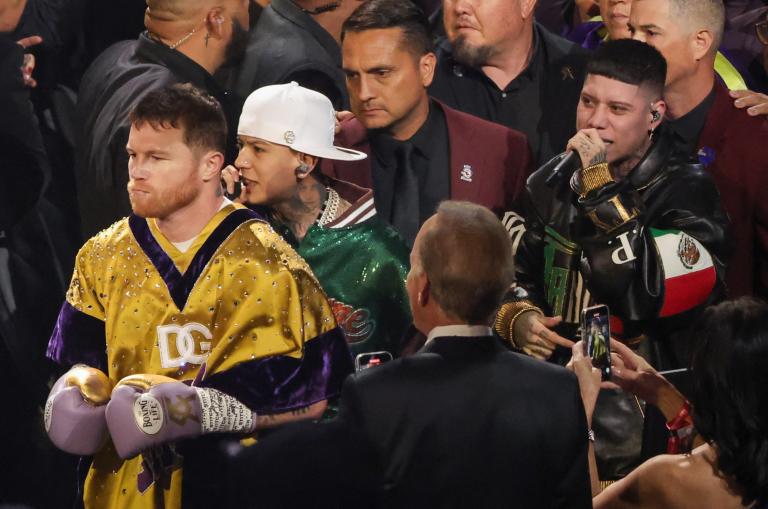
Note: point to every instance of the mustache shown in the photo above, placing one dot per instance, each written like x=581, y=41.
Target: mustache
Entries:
x=372, y=106
x=132, y=186
x=465, y=22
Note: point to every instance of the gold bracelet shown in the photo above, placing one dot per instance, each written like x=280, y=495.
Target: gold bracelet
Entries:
x=594, y=177
x=508, y=313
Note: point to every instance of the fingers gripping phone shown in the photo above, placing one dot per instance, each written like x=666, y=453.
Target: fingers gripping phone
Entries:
x=238, y=189
x=596, y=334
x=370, y=359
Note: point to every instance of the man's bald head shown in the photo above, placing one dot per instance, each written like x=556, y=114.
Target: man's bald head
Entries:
x=177, y=10
x=210, y=32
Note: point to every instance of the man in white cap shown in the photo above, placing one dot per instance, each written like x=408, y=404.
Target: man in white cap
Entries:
x=360, y=262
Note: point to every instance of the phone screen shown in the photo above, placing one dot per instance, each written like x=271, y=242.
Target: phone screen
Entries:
x=370, y=359
x=596, y=332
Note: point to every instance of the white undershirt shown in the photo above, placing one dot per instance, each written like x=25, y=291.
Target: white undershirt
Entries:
x=466, y=331
x=184, y=245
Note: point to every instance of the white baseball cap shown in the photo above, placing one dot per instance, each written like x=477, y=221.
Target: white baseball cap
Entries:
x=295, y=117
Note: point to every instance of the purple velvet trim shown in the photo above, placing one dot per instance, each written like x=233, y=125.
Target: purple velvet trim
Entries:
x=280, y=383
x=587, y=35
x=78, y=338
x=180, y=286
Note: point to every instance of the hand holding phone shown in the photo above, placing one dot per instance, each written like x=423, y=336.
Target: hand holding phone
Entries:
x=596, y=334
x=231, y=183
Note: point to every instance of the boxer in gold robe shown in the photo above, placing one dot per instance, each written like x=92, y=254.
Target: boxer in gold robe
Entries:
x=202, y=318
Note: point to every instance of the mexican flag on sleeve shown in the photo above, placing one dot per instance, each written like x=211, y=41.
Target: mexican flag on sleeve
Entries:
x=689, y=274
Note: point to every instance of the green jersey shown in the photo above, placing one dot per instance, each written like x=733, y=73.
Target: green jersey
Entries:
x=361, y=264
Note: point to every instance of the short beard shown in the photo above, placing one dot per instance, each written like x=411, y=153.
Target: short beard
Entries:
x=235, y=50
x=471, y=56
x=167, y=203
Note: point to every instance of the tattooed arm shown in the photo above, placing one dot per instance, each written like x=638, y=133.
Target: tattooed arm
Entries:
x=313, y=411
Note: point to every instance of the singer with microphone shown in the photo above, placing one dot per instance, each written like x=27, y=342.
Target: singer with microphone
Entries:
x=606, y=218
x=622, y=219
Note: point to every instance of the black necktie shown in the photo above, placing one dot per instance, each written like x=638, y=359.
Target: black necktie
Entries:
x=405, y=202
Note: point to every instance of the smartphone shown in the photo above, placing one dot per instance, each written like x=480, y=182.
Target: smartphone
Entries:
x=370, y=359
x=596, y=333
x=236, y=194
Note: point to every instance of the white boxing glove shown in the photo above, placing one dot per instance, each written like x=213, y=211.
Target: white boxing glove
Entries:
x=74, y=411
x=149, y=410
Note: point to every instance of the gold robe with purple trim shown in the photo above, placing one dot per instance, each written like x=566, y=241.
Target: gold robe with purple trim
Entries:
x=239, y=300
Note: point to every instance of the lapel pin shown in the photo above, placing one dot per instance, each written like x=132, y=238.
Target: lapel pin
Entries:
x=706, y=156
x=466, y=173
x=567, y=73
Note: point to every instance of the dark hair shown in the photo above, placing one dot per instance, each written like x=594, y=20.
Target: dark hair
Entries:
x=630, y=61
x=467, y=257
x=403, y=14
x=186, y=107
x=730, y=392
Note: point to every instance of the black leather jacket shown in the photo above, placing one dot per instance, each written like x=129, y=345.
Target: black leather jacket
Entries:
x=607, y=247
x=286, y=45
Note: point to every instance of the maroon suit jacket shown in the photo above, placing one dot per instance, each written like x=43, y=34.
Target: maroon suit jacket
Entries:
x=739, y=145
x=489, y=163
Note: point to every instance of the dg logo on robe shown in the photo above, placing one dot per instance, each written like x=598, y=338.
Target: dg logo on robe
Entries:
x=186, y=344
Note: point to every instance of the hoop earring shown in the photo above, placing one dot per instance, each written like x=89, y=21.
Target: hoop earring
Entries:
x=302, y=170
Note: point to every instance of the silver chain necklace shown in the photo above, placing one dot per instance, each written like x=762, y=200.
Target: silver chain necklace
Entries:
x=330, y=207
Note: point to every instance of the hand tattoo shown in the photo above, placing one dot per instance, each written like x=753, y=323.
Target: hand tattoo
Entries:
x=598, y=158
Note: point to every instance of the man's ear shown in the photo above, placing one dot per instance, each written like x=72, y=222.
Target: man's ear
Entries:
x=702, y=42
x=305, y=164
x=660, y=107
x=427, y=65
x=211, y=164
x=423, y=295
x=527, y=7
x=214, y=23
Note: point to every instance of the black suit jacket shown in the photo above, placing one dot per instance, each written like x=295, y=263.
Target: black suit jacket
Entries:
x=467, y=423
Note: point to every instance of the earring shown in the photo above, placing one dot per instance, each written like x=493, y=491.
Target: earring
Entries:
x=302, y=170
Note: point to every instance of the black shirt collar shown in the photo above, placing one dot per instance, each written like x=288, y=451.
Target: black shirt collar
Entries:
x=688, y=127
x=423, y=140
x=179, y=63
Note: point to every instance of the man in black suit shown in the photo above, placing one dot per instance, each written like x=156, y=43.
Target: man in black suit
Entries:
x=465, y=422
x=462, y=423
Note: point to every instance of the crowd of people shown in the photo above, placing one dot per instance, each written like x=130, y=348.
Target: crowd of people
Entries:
x=313, y=253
